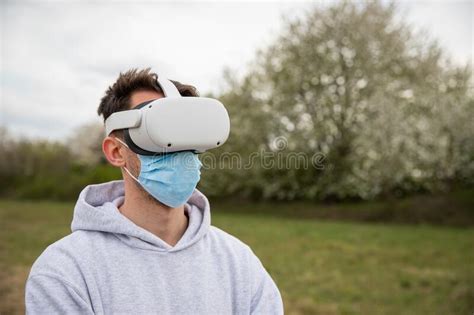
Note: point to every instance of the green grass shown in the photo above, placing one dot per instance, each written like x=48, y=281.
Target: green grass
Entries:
x=321, y=267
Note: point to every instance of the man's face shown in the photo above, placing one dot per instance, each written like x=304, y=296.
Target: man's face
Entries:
x=131, y=159
x=139, y=97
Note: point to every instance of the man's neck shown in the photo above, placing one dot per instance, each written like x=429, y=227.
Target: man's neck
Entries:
x=169, y=224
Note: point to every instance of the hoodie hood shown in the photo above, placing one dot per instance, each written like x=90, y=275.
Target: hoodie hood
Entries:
x=97, y=210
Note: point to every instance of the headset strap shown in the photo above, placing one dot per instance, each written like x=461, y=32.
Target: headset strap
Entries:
x=122, y=120
x=169, y=89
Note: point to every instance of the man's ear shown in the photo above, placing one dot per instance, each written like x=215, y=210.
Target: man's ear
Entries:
x=114, y=151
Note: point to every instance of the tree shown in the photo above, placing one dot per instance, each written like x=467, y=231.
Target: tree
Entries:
x=354, y=82
x=86, y=143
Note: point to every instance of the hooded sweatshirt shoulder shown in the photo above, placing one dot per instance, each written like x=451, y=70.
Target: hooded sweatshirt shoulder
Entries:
x=110, y=265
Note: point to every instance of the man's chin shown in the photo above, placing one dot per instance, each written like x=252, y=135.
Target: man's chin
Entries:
x=147, y=196
x=153, y=199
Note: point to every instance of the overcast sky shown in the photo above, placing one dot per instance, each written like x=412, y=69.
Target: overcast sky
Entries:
x=58, y=57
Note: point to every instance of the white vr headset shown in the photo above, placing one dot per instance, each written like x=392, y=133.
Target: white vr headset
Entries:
x=172, y=123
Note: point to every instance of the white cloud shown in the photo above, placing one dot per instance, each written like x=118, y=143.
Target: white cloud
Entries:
x=449, y=21
x=59, y=57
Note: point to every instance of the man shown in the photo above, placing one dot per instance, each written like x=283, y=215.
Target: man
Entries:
x=130, y=252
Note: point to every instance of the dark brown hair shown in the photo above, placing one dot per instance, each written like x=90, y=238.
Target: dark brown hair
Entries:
x=117, y=96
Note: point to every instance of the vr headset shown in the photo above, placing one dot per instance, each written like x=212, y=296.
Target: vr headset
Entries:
x=172, y=123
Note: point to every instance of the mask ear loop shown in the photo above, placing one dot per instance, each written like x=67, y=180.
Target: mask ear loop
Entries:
x=126, y=169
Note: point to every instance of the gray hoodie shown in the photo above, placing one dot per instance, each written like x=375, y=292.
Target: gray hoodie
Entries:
x=109, y=265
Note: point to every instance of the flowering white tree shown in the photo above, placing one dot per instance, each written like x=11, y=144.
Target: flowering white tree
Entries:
x=354, y=82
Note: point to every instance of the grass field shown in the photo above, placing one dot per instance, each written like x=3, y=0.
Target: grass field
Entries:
x=321, y=267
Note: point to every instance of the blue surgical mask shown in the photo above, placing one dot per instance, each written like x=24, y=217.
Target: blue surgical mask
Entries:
x=170, y=178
